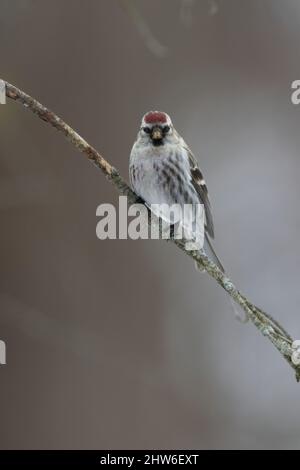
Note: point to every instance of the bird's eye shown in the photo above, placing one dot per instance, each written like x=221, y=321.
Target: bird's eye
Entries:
x=147, y=130
x=166, y=129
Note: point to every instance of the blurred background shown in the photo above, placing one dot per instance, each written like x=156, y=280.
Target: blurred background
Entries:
x=122, y=344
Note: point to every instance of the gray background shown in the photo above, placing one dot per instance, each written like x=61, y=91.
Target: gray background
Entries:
x=121, y=344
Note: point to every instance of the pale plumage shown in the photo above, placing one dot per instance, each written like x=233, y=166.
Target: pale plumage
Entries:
x=163, y=170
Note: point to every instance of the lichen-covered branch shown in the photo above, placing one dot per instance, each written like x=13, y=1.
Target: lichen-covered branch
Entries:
x=270, y=328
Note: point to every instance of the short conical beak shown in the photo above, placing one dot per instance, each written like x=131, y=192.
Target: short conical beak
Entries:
x=156, y=133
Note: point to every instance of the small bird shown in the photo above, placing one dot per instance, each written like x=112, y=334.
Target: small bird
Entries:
x=163, y=169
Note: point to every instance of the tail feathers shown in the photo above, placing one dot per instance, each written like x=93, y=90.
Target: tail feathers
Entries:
x=210, y=252
x=239, y=313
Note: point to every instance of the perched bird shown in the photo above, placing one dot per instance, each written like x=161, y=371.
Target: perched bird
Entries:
x=162, y=169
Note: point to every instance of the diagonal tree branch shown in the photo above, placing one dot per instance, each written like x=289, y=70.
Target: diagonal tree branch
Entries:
x=270, y=328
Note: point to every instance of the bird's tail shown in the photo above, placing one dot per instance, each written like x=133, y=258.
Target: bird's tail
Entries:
x=210, y=252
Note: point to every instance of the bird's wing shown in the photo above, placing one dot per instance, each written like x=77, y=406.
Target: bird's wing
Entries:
x=201, y=188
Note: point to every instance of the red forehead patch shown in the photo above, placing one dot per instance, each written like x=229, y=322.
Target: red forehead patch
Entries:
x=155, y=116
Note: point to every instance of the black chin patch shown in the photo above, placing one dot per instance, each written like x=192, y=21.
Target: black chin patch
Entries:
x=157, y=142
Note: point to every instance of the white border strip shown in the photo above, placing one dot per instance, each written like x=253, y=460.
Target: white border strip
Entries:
x=2, y=92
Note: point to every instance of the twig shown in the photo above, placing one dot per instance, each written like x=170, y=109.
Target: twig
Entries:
x=270, y=328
